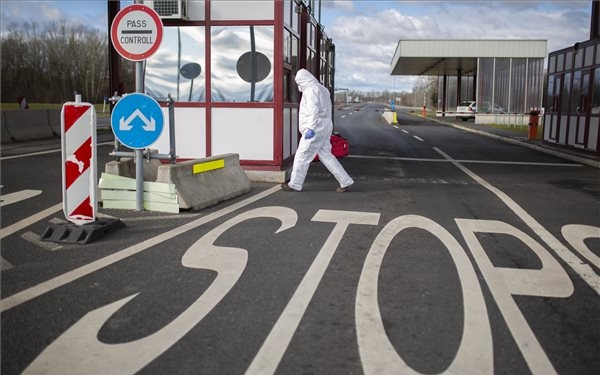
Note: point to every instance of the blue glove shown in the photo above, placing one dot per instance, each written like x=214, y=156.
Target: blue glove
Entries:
x=309, y=134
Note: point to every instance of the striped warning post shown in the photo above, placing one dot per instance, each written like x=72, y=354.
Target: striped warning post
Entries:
x=79, y=170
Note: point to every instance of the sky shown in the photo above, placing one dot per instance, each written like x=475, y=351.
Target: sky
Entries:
x=367, y=32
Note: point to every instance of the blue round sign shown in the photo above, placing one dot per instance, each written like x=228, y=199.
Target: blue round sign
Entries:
x=137, y=120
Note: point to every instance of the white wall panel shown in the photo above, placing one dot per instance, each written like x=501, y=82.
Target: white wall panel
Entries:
x=227, y=10
x=295, y=139
x=581, y=133
x=190, y=133
x=196, y=10
x=287, y=124
x=244, y=131
x=592, y=143
x=562, y=137
x=572, y=130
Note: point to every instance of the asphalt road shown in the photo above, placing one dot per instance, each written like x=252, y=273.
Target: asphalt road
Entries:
x=451, y=253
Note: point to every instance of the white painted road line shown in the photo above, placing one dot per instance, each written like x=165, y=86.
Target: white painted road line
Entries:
x=5, y=232
x=273, y=349
x=18, y=196
x=582, y=269
x=45, y=152
x=418, y=138
x=5, y=265
x=49, y=285
x=405, y=131
x=468, y=161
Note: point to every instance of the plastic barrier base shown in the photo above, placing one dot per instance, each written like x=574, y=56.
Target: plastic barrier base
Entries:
x=81, y=234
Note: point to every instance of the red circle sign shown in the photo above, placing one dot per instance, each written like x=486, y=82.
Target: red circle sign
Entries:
x=136, y=32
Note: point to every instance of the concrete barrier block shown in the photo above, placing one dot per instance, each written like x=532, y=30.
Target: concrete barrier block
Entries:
x=205, y=182
x=54, y=121
x=28, y=124
x=126, y=168
x=277, y=177
x=6, y=138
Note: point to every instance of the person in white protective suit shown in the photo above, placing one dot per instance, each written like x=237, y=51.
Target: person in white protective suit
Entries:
x=316, y=126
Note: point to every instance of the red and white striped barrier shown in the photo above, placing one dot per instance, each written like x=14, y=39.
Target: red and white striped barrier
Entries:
x=78, y=135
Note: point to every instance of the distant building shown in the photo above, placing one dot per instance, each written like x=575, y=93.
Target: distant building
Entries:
x=572, y=110
x=504, y=76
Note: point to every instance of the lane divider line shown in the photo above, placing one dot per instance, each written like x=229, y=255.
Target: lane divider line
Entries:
x=533, y=163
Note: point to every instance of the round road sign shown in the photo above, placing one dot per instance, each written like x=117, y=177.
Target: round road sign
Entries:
x=137, y=120
x=136, y=32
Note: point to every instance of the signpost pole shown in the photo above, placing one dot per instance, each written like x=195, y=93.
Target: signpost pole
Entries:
x=136, y=33
x=139, y=153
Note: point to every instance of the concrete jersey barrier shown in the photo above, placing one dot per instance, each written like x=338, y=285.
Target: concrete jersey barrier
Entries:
x=205, y=182
x=199, y=183
x=30, y=124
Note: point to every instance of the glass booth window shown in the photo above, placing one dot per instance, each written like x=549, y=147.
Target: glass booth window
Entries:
x=242, y=64
x=596, y=93
x=290, y=49
x=566, y=93
x=550, y=94
x=576, y=94
x=177, y=68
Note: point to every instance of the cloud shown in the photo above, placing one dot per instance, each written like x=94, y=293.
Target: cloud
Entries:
x=92, y=14
x=343, y=5
x=366, y=38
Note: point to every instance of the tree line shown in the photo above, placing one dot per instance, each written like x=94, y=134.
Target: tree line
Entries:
x=424, y=93
x=49, y=64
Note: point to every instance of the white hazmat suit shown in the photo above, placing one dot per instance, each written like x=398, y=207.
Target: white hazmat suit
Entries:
x=315, y=115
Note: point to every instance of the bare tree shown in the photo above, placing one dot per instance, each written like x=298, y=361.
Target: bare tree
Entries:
x=48, y=64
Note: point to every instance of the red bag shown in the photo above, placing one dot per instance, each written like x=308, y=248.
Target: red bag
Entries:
x=339, y=147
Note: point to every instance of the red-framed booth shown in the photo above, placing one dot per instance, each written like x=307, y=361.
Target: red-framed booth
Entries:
x=230, y=67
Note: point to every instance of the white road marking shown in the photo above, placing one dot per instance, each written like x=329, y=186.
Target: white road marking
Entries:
x=79, y=351
x=576, y=234
x=5, y=265
x=49, y=285
x=551, y=280
x=5, y=232
x=344, y=116
x=273, y=348
x=377, y=353
x=35, y=239
x=161, y=217
x=418, y=138
x=46, y=152
x=540, y=164
x=18, y=196
x=581, y=268
x=405, y=131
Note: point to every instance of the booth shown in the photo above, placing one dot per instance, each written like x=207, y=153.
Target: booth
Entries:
x=230, y=67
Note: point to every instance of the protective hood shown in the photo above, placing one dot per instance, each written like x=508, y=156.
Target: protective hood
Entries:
x=304, y=79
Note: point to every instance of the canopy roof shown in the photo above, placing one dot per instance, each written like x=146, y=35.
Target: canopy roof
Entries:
x=437, y=57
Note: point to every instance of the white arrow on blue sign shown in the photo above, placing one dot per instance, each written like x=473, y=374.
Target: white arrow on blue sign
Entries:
x=137, y=120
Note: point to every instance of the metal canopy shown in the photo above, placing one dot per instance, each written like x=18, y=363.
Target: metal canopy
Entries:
x=440, y=57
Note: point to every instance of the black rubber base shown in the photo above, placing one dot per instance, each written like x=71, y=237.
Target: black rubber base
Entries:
x=81, y=234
